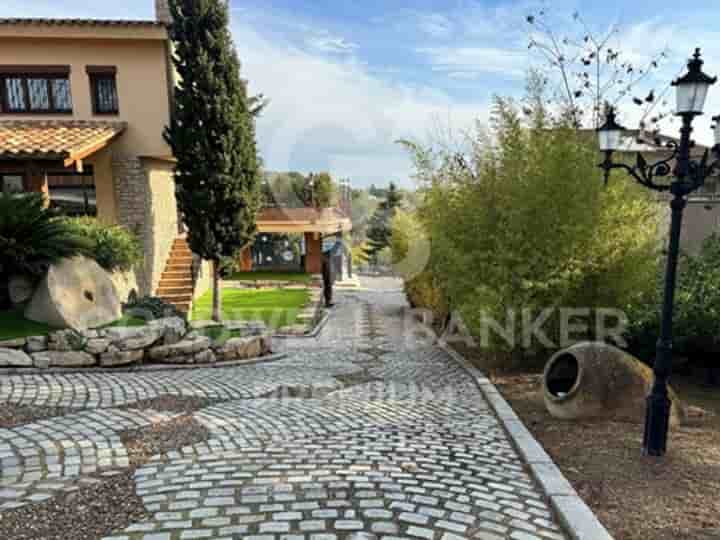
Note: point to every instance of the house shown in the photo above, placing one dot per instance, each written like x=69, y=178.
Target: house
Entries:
x=83, y=106
x=702, y=215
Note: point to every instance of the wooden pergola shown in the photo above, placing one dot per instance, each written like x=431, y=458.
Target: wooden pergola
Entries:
x=313, y=223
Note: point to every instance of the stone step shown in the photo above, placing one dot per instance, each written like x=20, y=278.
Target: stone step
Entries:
x=184, y=281
x=180, y=259
x=171, y=267
x=181, y=298
x=174, y=291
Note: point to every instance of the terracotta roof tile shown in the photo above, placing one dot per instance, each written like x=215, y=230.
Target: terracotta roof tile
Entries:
x=79, y=22
x=36, y=139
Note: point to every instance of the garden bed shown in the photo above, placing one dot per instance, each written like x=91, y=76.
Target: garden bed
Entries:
x=635, y=497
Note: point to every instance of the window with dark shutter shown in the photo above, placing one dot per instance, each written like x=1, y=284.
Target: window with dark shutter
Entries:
x=35, y=90
x=103, y=85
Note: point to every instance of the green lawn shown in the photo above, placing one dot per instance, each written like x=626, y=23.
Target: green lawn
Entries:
x=13, y=325
x=295, y=277
x=276, y=307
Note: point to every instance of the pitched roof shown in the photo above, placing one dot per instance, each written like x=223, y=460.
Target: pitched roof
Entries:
x=307, y=219
x=16, y=21
x=66, y=140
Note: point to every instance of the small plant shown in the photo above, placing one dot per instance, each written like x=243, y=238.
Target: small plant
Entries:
x=32, y=238
x=150, y=308
x=113, y=247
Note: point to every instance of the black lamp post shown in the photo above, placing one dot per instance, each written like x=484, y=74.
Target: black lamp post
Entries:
x=687, y=175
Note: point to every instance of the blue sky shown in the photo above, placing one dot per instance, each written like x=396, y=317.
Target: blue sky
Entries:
x=347, y=78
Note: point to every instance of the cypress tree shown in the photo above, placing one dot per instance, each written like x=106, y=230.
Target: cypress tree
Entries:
x=380, y=226
x=212, y=135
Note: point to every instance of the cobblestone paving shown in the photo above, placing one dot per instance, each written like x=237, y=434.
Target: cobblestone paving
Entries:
x=366, y=432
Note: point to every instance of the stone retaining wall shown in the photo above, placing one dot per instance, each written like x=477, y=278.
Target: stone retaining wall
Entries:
x=164, y=341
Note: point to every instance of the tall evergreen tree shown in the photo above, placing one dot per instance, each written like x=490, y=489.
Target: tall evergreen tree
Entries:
x=212, y=135
x=380, y=226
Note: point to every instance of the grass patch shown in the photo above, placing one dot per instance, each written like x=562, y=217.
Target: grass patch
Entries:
x=295, y=277
x=276, y=307
x=13, y=326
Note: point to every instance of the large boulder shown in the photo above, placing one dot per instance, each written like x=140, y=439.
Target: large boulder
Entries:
x=76, y=293
x=14, y=358
x=597, y=380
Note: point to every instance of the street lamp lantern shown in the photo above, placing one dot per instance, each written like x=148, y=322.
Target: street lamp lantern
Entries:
x=692, y=88
x=686, y=175
x=610, y=133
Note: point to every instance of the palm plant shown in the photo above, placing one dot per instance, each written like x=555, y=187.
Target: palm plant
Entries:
x=31, y=239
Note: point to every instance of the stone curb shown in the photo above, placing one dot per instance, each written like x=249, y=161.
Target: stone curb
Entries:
x=313, y=334
x=575, y=516
x=141, y=369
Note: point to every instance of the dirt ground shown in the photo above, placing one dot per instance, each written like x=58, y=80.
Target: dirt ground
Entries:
x=635, y=497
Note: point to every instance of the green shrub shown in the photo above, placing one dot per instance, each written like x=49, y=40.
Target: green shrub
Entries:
x=523, y=221
x=150, y=307
x=32, y=238
x=113, y=247
x=696, y=321
x=411, y=260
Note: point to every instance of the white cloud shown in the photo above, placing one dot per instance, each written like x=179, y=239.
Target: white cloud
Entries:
x=472, y=62
x=335, y=114
x=327, y=43
x=435, y=24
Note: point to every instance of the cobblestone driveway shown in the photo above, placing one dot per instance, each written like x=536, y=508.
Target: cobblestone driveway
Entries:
x=366, y=432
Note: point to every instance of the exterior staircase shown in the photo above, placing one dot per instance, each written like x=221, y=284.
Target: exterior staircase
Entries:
x=176, y=283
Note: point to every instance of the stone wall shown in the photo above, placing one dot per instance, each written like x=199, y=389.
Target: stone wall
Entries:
x=132, y=201
x=164, y=341
x=162, y=226
x=146, y=205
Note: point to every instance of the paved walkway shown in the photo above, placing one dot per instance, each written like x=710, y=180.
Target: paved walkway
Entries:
x=367, y=432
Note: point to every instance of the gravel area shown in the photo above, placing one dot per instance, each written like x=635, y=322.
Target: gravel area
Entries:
x=89, y=513
x=12, y=415
x=143, y=443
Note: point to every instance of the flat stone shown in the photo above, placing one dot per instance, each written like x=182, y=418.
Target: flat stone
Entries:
x=172, y=329
x=13, y=343
x=36, y=344
x=186, y=348
x=65, y=340
x=133, y=338
x=97, y=345
x=62, y=359
x=121, y=358
x=14, y=358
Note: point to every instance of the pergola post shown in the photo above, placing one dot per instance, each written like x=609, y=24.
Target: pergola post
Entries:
x=37, y=181
x=313, y=250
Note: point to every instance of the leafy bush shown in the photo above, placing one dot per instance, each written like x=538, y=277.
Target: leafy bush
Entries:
x=410, y=259
x=696, y=322
x=521, y=220
x=32, y=238
x=151, y=307
x=113, y=247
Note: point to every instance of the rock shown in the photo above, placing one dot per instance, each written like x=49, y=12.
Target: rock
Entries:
x=179, y=352
x=65, y=340
x=76, y=293
x=134, y=337
x=36, y=344
x=13, y=343
x=204, y=357
x=596, y=380
x=97, y=346
x=14, y=358
x=62, y=359
x=21, y=289
x=172, y=329
x=244, y=348
x=116, y=357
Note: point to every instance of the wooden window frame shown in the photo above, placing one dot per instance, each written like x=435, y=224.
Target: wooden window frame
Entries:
x=96, y=73
x=48, y=73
